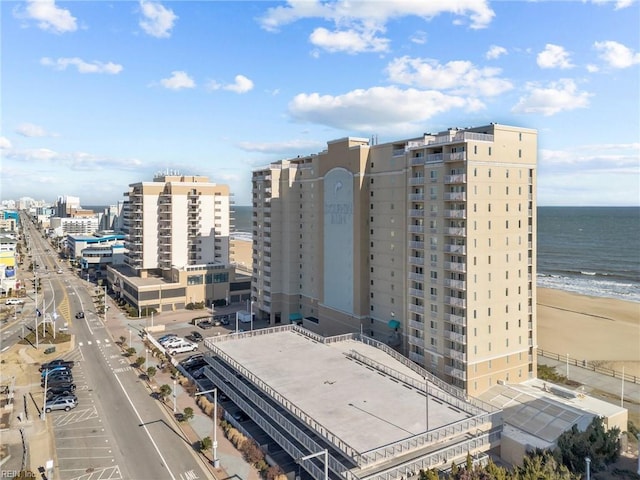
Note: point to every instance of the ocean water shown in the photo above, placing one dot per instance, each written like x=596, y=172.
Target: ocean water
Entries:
x=590, y=250
x=242, y=218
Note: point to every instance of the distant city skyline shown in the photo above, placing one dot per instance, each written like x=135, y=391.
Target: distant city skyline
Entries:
x=98, y=95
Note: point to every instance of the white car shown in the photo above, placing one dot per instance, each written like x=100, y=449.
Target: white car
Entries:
x=14, y=301
x=169, y=341
x=181, y=347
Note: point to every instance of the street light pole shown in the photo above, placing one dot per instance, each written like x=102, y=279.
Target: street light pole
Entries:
x=175, y=407
x=426, y=392
x=567, y=366
x=324, y=452
x=214, y=445
x=251, y=313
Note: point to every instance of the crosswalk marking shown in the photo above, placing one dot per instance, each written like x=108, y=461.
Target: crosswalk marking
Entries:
x=123, y=369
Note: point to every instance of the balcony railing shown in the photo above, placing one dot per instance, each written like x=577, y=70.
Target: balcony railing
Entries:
x=416, y=228
x=414, y=244
x=455, y=179
x=456, y=231
x=455, y=249
x=457, y=284
x=455, y=266
x=416, y=181
x=455, y=196
x=416, y=276
x=455, y=213
x=455, y=302
x=416, y=260
x=455, y=320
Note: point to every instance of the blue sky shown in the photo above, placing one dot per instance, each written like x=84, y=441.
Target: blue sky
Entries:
x=98, y=95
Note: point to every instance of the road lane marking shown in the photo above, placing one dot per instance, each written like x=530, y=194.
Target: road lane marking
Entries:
x=166, y=465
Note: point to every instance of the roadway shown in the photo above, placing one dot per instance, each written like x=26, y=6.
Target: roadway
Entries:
x=118, y=430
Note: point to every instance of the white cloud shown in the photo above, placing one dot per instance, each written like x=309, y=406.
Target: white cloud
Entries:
x=178, y=81
x=557, y=97
x=158, y=20
x=358, y=23
x=49, y=16
x=495, y=51
x=554, y=56
x=459, y=76
x=419, y=37
x=349, y=41
x=591, y=68
x=616, y=54
x=241, y=85
x=589, y=175
x=82, y=66
x=291, y=147
x=5, y=143
x=31, y=130
x=377, y=109
x=73, y=160
x=618, y=4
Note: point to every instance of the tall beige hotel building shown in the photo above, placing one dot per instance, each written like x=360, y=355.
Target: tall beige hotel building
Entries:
x=426, y=244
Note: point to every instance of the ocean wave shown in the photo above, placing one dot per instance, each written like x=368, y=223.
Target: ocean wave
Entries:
x=591, y=286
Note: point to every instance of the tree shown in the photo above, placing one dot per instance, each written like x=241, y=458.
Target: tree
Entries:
x=205, y=444
x=139, y=362
x=130, y=352
x=601, y=446
x=187, y=414
x=164, y=392
x=151, y=371
x=123, y=340
x=542, y=464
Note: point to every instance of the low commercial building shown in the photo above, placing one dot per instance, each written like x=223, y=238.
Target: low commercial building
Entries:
x=377, y=414
x=537, y=413
x=169, y=290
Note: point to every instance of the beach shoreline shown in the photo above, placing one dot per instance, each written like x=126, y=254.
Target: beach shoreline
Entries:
x=595, y=329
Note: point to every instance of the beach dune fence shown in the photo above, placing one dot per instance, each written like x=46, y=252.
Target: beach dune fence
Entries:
x=589, y=365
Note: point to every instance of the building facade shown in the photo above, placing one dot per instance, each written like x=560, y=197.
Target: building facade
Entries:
x=427, y=244
x=176, y=221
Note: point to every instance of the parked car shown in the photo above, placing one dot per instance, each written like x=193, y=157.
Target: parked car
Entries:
x=64, y=395
x=205, y=325
x=194, y=337
x=52, y=370
x=60, y=389
x=166, y=337
x=14, y=301
x=56, y=380
x=172, y=341
x=57, y=363
x=80, y=315
x=240, y=416
x=60, y=403
x=182, y=347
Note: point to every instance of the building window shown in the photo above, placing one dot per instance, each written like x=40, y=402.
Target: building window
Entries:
x=489, y=155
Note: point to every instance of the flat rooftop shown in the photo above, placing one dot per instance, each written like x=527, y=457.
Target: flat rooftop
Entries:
x=336, y=384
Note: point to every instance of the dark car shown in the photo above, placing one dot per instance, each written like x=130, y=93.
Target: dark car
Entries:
x=55, y=380
x=205, y=325
x=224, y=320
x=57, y=363
x=240, y=416
x=80, y=315
x=60, y=389
x=194, y=337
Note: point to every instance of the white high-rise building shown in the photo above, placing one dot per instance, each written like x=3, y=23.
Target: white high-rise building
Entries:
x=176, y=221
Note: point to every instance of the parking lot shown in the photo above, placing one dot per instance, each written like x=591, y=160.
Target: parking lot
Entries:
x=84, y=448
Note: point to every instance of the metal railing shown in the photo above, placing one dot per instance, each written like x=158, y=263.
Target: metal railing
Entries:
x=589, y=365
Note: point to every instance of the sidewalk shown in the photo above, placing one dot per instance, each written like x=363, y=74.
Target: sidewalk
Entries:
x=232, y=464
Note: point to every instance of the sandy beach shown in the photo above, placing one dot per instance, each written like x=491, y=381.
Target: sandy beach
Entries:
x=598, y=329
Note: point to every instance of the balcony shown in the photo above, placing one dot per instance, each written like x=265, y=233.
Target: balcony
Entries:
x=456, y=231
x=416, y=197
x=416, y=292
x=416, y=213
x=455, y=213
x=458, y=179
x=416, y=181
x=456, y=337
x=416, y=325
x=416, y=276
x=455, y=320
x=414, y=244
x=417, y=358
x=462, y=249
x=455, y=196
x=416, y=228
x=455, y=302
x=455, y=266
x=455, y=157
x=455, y=372
x=417, y=161
x=418, y=342
x=416, y=260
x=416, y=308
x=457, y=284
